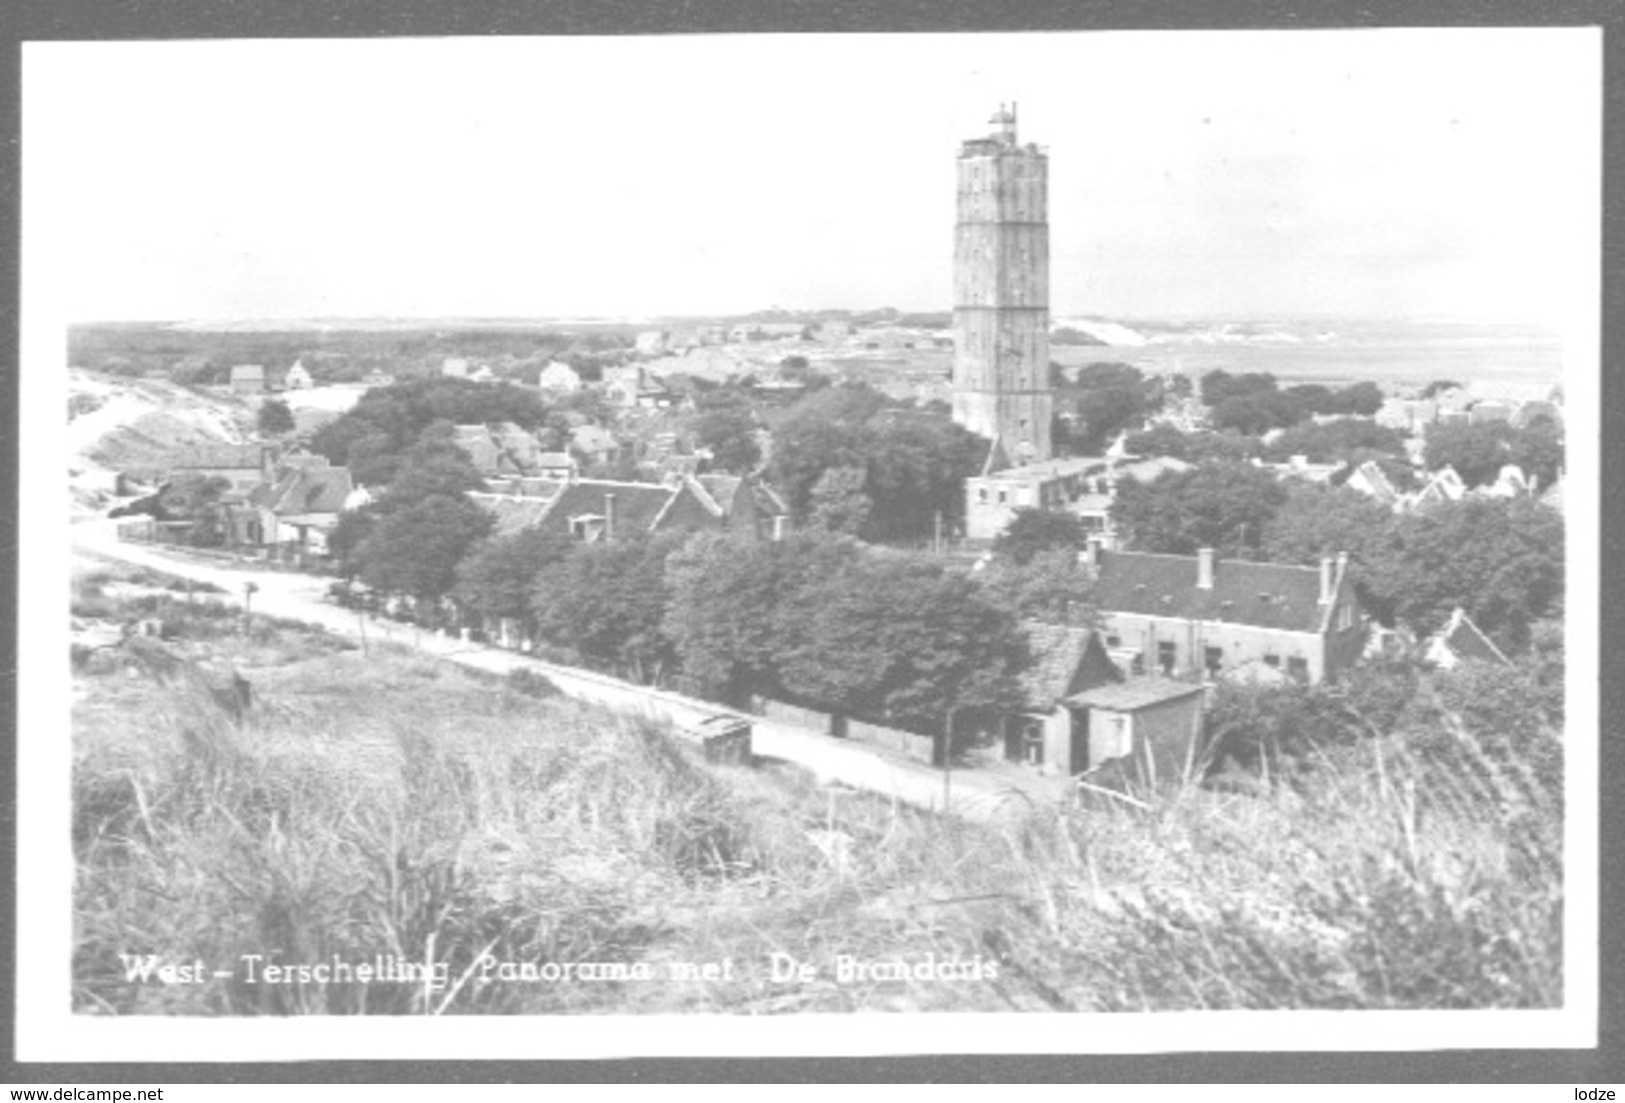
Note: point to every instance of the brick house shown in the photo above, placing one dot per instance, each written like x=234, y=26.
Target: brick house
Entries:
x=1062, y=661
x=1195, y=617
x=1143, y=730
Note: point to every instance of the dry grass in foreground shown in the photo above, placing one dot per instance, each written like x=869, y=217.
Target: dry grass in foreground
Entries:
x=383, y=807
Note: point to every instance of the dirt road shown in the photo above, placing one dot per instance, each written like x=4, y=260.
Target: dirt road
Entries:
x=973, y=794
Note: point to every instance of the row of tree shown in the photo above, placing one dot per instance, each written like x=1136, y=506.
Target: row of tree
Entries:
x=849, y=461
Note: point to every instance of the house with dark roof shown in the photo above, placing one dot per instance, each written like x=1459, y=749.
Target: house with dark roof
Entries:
x=1062, y=661
x=746, y=504
x=603, y=509
x=1460, y=640
x=296, y=507
x=1196, y=616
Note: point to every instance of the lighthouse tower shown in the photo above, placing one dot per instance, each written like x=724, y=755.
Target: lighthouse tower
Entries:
x=1001, y=294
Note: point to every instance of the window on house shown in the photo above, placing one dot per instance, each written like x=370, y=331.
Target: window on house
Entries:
x=1272, y=660
x=1032, y=742
x=1213, y=659
x=1114, y=640
x=1298, y=667
x=1345, y=616
x=1119, y=737
x=1004, y=497
x=1167, y=656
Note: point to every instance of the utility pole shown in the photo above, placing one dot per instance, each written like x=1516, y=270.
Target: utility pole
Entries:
x=947, y=754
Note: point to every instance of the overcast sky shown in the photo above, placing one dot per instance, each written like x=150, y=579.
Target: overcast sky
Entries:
x=1255, y=174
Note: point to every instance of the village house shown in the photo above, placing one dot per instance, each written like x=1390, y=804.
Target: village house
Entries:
x=651, y=342
x=992, y=498
x=746, y=504
x=376, y=378
x=1085, y=486
x=1046, y=733
x=1195, y=616
x=454, y=367
x=248, y=379
x=1299, y=468
x=595, y=443
x=298, y=379
x=1444, y=485
x=1461, y=640
x=501, y=449
x=1370, y=479
x=559, y=378
x=295, y=508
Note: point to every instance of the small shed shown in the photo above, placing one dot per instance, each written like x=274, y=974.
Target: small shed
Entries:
x=725, y=739
x=1142, y=729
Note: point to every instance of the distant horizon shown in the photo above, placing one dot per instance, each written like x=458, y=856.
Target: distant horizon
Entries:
x=1193, y=175
x=269, y=322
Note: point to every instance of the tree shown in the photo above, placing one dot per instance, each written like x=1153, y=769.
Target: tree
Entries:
x=1501, y=560
x=1335, y=440
x=415, y=549
x=1219, y=386
x=1316, y=521
x=1225, y=506
x=1438, y=386
x=1538, y=450
x=274, y=418
x=738, y=606
x=1256, y=413
x=608, y=602
x=1032, y=532
x=1051, y=586
x=729, y=433
x=838, y=502
x=1477, y=452
x=902, y=641
x=914, y=465
x=498, y=575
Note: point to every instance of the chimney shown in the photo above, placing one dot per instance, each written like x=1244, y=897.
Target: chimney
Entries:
x=1325, y=579
x=1204, y=568
x=609, y=517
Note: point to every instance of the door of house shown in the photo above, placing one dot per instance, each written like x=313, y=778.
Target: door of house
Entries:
x=1078, y=752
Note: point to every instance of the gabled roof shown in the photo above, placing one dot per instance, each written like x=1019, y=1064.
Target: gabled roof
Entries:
x=1056, y=655
x=305, y=489
x=1135, y=694
x=512, y=515
x=1465, y=641
x=1376, y=482
x=1263, y=595
x=721, y=489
